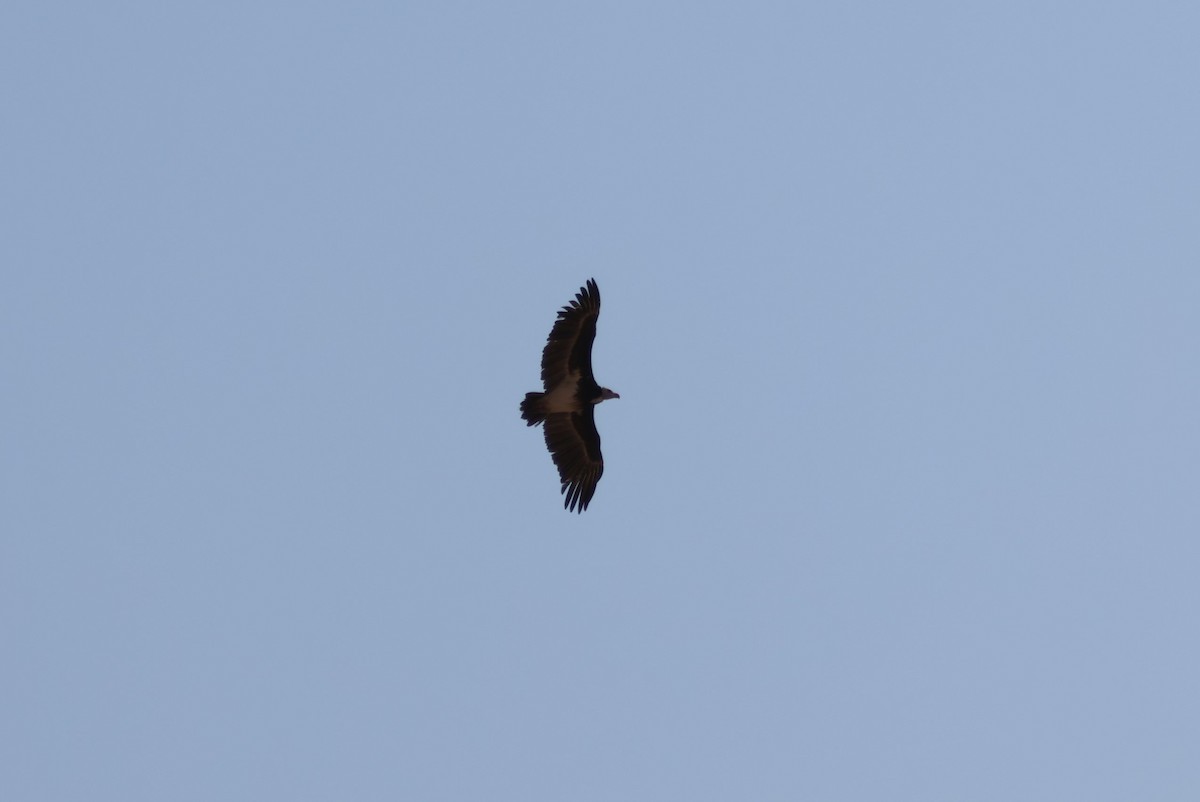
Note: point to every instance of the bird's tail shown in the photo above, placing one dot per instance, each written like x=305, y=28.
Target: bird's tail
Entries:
x=531, y=409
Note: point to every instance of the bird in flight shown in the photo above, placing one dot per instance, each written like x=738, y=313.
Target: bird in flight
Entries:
x=568, y=402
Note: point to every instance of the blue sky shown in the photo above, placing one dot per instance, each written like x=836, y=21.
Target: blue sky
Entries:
x=900, y=497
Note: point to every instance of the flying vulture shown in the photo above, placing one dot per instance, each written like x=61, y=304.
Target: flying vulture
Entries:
x=567, y=405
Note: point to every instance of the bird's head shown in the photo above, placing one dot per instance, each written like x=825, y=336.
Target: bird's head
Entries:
x=606, y=394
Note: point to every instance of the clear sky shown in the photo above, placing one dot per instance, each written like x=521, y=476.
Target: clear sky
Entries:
x=901, y=494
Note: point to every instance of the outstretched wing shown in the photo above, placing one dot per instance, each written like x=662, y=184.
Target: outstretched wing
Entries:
x=575, y=445
x=569, y=348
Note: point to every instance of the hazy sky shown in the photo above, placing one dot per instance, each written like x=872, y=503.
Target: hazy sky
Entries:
x=901, y=494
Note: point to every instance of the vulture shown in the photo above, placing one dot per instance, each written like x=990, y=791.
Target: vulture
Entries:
x=567, y=404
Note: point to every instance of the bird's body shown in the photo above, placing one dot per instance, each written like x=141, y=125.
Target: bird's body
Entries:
x=566, y=406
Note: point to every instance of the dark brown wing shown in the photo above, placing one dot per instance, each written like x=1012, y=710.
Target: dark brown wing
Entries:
x=575, y=445
x=569, y=348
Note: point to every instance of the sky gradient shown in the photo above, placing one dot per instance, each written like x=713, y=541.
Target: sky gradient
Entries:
x=900, y=499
